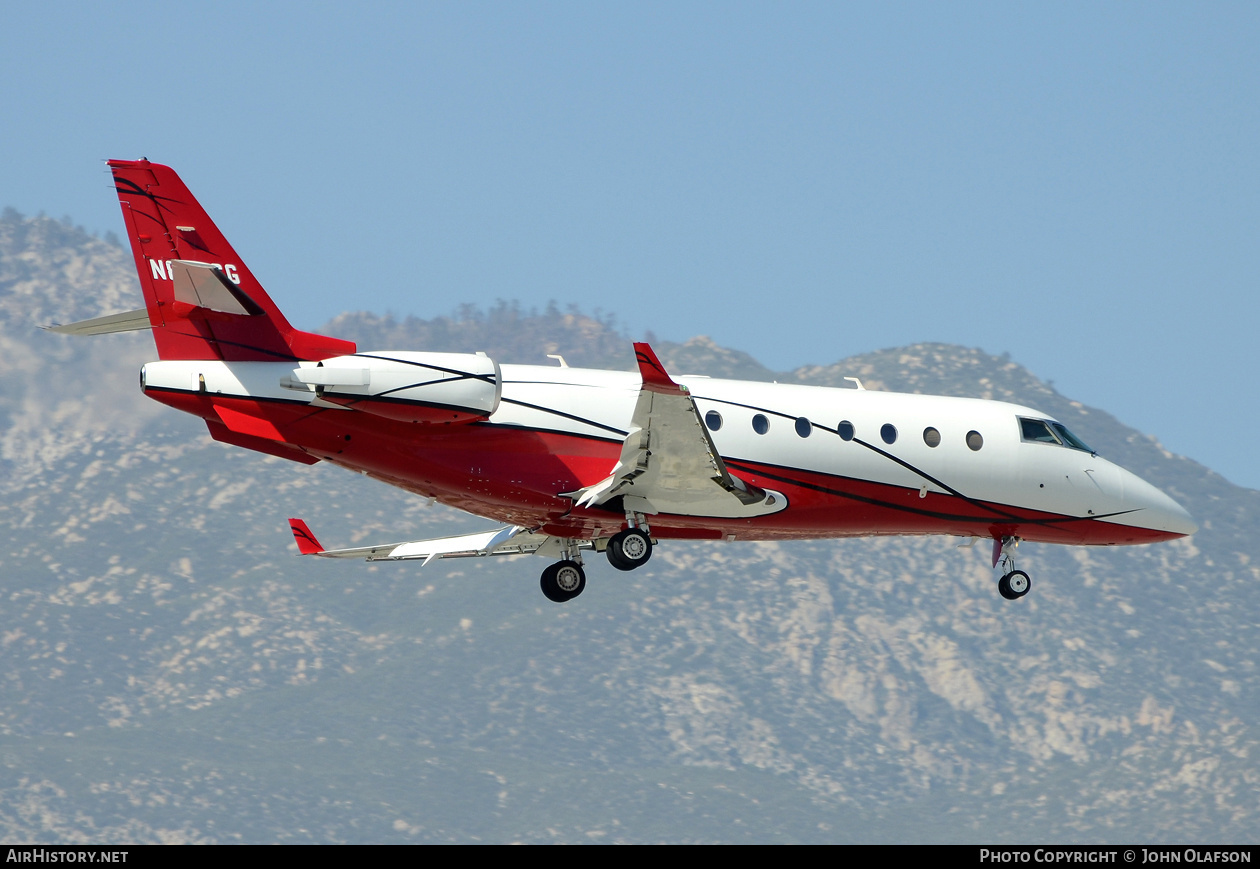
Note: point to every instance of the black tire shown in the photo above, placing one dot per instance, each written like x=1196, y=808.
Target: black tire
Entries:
x=562, y=581
x=629, y=549
x=547, y=583
x=616, y=559
x=1014, y=585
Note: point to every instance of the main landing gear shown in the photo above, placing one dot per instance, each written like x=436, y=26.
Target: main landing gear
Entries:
x=563, y=581
x=1012, y=584
x=626, y=550
x=629, y=549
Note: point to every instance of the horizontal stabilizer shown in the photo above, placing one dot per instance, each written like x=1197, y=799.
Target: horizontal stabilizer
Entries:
x=510, y=540
x=127, y=321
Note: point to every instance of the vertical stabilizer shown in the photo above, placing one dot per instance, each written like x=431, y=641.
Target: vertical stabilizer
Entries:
x=203, y=302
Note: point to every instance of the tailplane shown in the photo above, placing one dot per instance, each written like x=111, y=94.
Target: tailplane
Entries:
x=202, y=301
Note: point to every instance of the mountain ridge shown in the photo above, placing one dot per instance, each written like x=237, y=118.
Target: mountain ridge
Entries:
x=172, y=673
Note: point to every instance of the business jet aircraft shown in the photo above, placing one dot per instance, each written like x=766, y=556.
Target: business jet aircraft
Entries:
x=573, y=460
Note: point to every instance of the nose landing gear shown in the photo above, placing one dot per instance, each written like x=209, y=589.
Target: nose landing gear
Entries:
x=1012, y=584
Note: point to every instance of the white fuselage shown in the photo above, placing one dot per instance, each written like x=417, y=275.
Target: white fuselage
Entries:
x=849, y=442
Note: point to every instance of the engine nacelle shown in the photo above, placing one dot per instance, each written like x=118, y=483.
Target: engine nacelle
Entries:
x=406, y=386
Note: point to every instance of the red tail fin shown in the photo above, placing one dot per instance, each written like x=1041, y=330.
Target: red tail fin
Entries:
x=203, y=302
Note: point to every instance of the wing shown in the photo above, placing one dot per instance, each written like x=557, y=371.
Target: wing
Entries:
x=668, y=462
x=512, y=540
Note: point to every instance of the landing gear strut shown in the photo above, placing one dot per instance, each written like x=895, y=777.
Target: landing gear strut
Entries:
x=1012, y=584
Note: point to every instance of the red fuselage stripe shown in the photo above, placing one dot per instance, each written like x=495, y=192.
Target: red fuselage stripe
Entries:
x=517, y=474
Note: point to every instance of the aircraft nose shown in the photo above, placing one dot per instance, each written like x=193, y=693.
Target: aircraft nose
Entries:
x=1155, y=510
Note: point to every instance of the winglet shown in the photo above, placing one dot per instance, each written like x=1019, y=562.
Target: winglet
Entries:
x=655, y=377
x=307, y=544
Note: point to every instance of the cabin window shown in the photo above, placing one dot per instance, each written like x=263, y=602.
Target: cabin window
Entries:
x=845, y=430
x=804, y=427
x=974, y=441
x=713, y=420
x=931, y=437
x=761, y=425
x=888, y=432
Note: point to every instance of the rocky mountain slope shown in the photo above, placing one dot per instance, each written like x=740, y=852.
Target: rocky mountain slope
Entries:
x=171, y=672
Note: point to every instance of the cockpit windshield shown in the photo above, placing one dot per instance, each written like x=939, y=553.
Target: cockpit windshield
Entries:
x=1070, y=439
x=1046, y=431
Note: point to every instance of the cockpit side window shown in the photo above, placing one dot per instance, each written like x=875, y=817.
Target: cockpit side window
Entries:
x=1036, y=431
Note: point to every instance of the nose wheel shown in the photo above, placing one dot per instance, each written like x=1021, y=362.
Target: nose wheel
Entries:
x=1014, y=585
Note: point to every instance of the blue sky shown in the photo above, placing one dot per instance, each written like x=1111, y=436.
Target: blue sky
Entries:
x=1076, y=184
